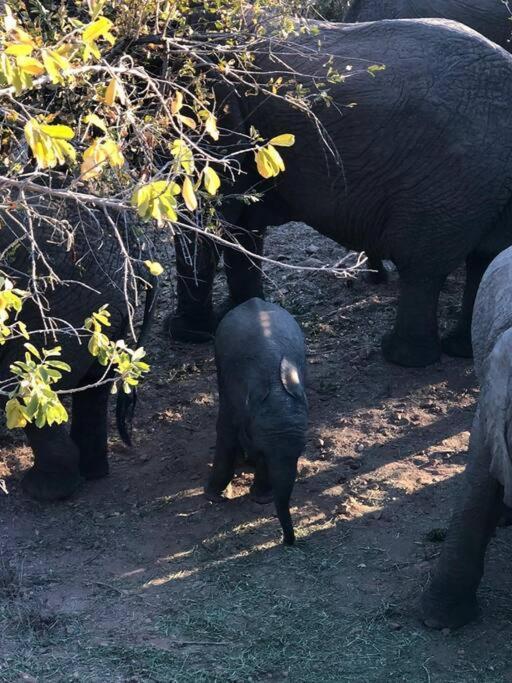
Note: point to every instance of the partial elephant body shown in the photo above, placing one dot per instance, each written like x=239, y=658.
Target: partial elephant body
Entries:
x=91, y=275
x=422, y=177
x=491, y=18
x=450, y=599
x=260, y=357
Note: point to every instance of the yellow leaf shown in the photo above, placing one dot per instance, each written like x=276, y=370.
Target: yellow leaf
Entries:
x=48, y=143
x=188, y=194
x=268, y=161
x=154, y=267
x=114, y=154
x=177, y=103
x=183, y=155
x=94, y=120
x=98, y=29
x=211, y=180
x=15, y=414
x=64, y=150
x=187, y=121
x=157, y=200
x=19, y=50
x=58, y=131
x=97, y=154
x=92, y=32
x=55, y=64
x=111, y=92
x=210, y=124
x=285, y=140
x=30, y=66
x=24, y=37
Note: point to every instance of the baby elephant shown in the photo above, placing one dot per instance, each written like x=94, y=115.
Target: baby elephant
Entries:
x=450, y=599
x=260, y=357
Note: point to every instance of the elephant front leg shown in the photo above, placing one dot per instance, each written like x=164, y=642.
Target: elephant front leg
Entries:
x=227, y=450
x=414, y=341
x=196, y=262
x=89, y=430
x=55, y=474
x=450, y=599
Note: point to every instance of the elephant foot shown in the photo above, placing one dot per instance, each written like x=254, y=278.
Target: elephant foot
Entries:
x=95, y=469
x=458, y=344
x=441, y=611
x=48, y=486
x=409, y=353
x=183, y=328
x=261, y=496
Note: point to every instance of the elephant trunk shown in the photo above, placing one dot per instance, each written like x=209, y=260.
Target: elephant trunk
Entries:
x=282, y=471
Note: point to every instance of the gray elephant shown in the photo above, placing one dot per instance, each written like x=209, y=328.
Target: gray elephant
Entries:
x=91, y=275
x=491, y=18
x=260, y=357
x=450, y=599
x=423, y=177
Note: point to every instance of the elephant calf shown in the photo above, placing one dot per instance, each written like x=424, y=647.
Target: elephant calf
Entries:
x=450, y=599
x=260, y=357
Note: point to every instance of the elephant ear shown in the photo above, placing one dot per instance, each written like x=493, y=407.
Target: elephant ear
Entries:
x=290, y=378
x=495, y=406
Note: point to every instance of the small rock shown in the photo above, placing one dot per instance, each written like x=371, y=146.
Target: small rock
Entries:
x=446, y=631
x=321, y=443
x=312, y=249
x=395, y=626
x=360, y=447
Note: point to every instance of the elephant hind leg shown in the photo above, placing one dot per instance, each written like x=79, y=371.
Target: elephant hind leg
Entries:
x=196, y=263
x=414, y=341
x=55, y=474
x=458, y=341
x=227, y=451
x=377, y=274
x=243, y=272
x=89, y=430
x=261, y=489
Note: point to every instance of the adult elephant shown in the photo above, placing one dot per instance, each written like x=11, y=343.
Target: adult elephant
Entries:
x=450, y=599
x=80, y=280
x=491, y=18
x=423, y=177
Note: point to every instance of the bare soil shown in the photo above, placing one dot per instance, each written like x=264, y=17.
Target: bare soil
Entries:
x=139, y=578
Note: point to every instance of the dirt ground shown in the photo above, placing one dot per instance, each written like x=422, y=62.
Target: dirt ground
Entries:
x=139, y=578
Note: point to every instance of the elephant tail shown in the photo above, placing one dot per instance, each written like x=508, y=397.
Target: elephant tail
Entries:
x=125, y=405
